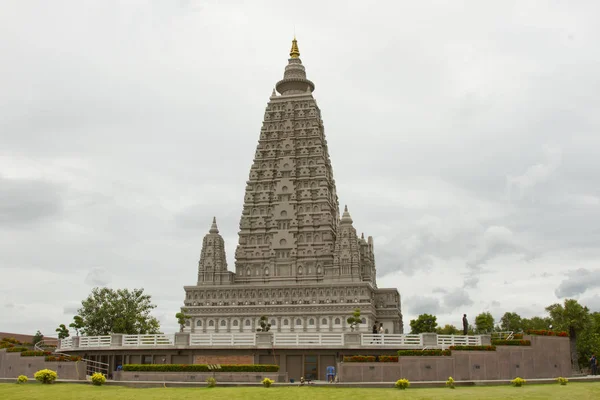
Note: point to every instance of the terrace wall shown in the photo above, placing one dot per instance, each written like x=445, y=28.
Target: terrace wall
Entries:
x=12, y=365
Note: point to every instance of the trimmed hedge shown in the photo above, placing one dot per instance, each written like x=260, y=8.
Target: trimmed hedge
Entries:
x=370, y=358
x=431, y=352
x=31, y=353
x=16, y=349
x=63, y=358
x=473, y=348
x=544, y=332
x=511, y=342
x=200, y=368
x=518, y=336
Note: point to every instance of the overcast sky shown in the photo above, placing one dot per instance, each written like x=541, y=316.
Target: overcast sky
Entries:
x=464, y=137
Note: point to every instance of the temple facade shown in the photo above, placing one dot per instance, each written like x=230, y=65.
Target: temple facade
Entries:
x=297, y=261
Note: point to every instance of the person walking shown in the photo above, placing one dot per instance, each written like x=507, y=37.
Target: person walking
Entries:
x=594, y=364
x=465, y=324
x=374, y=331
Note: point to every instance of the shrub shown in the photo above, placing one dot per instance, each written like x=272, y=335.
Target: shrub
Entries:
x=98, y=379
x=562, y=381
x=200, y=368
x=450, y=382
x=518, y=336
x=45, y=376
x=32, y=353
x=431, y=352
x=518, y=382
x=267, y=382
x=22, y=379
x=515, y=342
x=16, y=349
x=211, y=382
x=545, y=332
x=359, y=359
x=63, y=358
x=473, y=348
x=388, y=359
x=402, y=384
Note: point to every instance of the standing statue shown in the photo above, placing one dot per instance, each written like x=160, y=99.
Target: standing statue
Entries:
x=465, y=324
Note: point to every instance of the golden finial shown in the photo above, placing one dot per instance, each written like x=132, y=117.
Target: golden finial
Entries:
x=295, y=53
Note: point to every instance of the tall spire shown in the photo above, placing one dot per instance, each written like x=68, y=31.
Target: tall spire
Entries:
x=294, y=52
x=213, y=227
x=346, y=219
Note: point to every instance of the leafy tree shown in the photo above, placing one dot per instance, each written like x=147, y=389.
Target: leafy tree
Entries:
x=38, y=337
x=588, y=341
x=511, y=321
x=536, y=323
x=448, y=330
x=108, y=311
x=484, y=323
x=182, y=318
x=573, y=318
x=423, y=323
x=77, y=324
x=62, y=331
x=264, y=324
x=354, y=320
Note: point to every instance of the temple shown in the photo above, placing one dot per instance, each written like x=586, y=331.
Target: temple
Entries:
x=297, y=261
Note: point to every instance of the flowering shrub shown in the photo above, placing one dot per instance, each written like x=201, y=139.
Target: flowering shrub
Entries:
x=402, y=384
x=22, y=379
x=267, y=382
x=388, y=359
x=511, y=342
x=544, y=332
x=31, y=353
x=45, y=376
x=450, y=382
x=518, y=336
x=562, y=381
x=473, y=348
x=98, y=379
x=63, y=358
x=359, y=359
x=518, y=382
x=431, y=352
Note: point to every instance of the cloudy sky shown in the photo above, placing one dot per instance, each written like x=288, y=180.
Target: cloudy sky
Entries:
x=464, y=138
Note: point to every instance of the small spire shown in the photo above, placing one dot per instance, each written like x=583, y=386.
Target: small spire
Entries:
x=294, y=52
x=346, y=218
x=213, y=227
x=362, y=236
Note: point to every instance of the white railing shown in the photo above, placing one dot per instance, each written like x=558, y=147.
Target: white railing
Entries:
x=398, y=340
x=308, y=339
x=94, y=341
x=458, y=340
x=148, y=340
x=66, y=343
x=506, y=335
x=223, y=339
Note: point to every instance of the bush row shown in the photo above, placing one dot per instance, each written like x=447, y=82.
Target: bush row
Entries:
x=63, y=358
x=16, y=349
x=544, y=332
x=32, y=353
x=200, y=368
x=431, y=352
x=511, y=342
x=518, y=336
x=370, y=358
x=473, y=348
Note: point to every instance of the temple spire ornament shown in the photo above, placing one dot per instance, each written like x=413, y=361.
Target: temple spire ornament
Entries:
x=213, y=227
x=294, y=52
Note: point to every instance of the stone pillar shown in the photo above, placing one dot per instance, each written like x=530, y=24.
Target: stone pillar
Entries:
x=75, y=342
x=192, y=325
x=278, y=324
x=116, y=340
x=318, y=323
x=203, y=325
x=352, y=339
x=228, y=324
x=330, y=323
x=304, y=323
x=486, y=340
x=182, y=339
x=429, y=339
x=264, y=339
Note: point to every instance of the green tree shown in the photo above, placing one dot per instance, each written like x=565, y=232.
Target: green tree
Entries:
x=448, y=330
x=62, y=331
x=423, y=323
x=354, y=320
x=536, y=323
x=108, y=311
x=264, y=324
x=182, y=318
x=588, y=341
x=484, y=323
x=77, y=324
x=38, y=337
x=511, y=321
x=573, y=318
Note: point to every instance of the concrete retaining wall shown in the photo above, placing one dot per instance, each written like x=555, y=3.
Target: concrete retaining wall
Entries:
x=197, y=376
x=12, y=365
x=547, y=357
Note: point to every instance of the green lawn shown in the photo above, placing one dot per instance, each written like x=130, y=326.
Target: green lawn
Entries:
x=34, y=391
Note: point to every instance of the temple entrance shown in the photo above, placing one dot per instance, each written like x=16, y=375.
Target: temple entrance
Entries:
x=311, y=367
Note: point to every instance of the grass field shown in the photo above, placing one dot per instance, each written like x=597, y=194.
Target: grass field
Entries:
x=579, y=391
